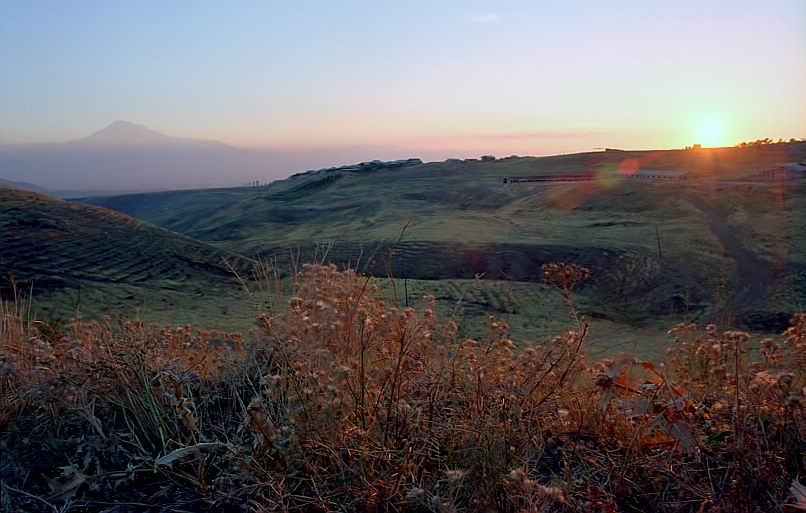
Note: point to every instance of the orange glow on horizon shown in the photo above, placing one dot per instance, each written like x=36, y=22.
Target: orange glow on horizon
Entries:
x=710, y=133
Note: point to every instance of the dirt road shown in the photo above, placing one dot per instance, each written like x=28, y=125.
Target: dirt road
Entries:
x=753, y=275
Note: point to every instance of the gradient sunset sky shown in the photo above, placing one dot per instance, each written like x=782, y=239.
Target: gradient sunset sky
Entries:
x=437, y=78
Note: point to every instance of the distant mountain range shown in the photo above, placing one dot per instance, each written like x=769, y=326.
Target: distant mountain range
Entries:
x=69, y=193
x=24, y=186
x=127, y=156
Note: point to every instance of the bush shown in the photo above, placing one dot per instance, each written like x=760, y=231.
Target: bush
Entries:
x=342, y=402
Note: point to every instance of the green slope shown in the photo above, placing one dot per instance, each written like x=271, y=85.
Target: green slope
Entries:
x=93, y=261
x=728, y=248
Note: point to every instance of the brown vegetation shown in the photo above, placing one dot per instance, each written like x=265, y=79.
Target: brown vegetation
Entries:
x=342, y=402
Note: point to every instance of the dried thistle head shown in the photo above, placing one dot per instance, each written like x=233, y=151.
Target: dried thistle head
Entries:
x=564, y=275
x=416, y=495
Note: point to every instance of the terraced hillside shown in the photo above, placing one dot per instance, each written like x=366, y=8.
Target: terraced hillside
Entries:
x=90, y=260
x=711, y=247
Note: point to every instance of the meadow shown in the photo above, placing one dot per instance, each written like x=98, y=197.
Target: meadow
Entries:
x=342, y=400
x=421, y=338
x=715, y=247
x=402, y=257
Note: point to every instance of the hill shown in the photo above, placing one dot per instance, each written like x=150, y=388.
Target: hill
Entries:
x=93, y=261
x=713, y=246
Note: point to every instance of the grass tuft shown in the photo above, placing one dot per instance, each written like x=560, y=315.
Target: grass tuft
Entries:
x=341, y=400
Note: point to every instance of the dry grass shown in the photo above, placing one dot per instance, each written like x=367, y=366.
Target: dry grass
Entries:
x=339, y=401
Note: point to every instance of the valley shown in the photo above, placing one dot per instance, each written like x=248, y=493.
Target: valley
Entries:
x=715, y=247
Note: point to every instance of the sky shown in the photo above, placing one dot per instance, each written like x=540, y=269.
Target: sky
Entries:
x=449, y=78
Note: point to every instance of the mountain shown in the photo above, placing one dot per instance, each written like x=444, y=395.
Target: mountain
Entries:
x=23, y=185
x=125, y=133
x=95, y=261
x=129, y=156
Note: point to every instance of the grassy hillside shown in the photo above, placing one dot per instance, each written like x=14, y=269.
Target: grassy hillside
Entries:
x=341, y=401
x=455, y=184
x=714, y=247
x=91, y=260
x=343, y=398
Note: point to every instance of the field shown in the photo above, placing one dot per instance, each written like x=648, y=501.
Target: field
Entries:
x=402, y=257
x=714, y=247
x=426, y=338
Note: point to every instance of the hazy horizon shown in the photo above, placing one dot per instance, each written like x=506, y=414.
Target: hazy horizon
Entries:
x=413, y=79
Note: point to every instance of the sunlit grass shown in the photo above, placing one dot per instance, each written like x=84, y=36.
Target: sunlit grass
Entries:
x=342, y=400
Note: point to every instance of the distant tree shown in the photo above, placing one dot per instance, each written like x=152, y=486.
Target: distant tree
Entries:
x=760, y=142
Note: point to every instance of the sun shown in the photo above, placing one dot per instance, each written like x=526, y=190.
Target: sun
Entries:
x=710, y=133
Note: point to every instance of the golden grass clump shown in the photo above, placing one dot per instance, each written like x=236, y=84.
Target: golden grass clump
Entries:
x=343, y=401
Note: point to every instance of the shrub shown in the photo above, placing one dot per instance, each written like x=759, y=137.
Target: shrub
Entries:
x=343, y=402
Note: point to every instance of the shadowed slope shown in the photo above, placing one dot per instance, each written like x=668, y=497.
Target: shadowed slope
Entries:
x=92, y=258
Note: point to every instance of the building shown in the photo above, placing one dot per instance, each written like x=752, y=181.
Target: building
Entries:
x=781, y=172
x=574, y=177
x=646, y=174
x=653, y=174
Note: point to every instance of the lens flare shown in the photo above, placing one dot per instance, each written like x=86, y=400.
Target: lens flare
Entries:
x=629, y=167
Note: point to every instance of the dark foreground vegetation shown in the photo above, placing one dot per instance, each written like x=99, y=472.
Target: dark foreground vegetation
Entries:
x=339, y=401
